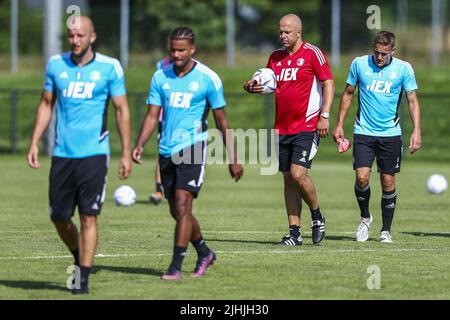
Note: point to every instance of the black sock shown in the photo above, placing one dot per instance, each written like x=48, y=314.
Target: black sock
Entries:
x=84, y=272
x=178, y=256
x=316, y=214
x=201, y=247
x=159, y=187
x=76, y=256
x=294, y=231
x=363, y=196
x=388, y=202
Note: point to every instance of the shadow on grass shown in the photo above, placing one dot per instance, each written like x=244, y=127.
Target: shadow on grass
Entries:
x=327, y=237
x=241, y=241
x=32, y=285
x=143, y=271
x=428, y=234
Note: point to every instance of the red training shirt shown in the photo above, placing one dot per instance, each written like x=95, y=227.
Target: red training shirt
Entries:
x=298, y=97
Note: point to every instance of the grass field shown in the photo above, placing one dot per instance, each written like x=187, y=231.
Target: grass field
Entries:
x=241, y=222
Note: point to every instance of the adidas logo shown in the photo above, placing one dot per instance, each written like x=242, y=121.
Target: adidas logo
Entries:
x=390, y=206
x=279, y=64
x=166, y=86
x=367, y=73
x=302, y=159
x=95, y=206
x=64, y=75
x=192, y=183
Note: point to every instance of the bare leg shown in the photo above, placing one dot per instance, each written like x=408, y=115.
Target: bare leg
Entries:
x=88, y=239
x=68, y=233
x=292, y=199
x=306, y=186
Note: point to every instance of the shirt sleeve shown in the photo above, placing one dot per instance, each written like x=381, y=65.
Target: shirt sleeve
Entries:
x=154, y=93
x=352, y=78
x=320, y=65
x=215, y=96
x=117, y=81
x=49, y=84
x=409, y=79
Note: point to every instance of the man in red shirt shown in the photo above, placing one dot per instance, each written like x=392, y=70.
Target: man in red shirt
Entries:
x=303, y=98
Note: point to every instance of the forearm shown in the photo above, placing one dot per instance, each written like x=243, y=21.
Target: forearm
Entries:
x=414, y=111
x=124, y=128
x=228, y=140
x=148, y=126
x=344, y=106
x=328, y=95
x=43, y=117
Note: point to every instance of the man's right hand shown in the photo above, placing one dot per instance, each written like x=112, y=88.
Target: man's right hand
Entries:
x=252, y=87
x=338, y=133
x=33, y=159
x=136, y=154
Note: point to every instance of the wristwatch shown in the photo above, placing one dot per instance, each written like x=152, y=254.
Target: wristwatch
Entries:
x=325, y=115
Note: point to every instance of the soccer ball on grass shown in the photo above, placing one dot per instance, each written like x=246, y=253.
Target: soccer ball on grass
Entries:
x=124, y=196
x=437, y=184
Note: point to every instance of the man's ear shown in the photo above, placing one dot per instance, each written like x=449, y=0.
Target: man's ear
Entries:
x=93, y=38
x=394, y=49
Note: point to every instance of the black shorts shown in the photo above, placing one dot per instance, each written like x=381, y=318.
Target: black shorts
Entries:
x=297, y=149
x=159, y=131
x=184, y=170
x=387, y=150
x=77, y=182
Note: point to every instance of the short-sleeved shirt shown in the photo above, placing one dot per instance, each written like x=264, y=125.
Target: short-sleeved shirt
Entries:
x=83, y=94
x=185, y=102
x=379, y=94
x=298, y=96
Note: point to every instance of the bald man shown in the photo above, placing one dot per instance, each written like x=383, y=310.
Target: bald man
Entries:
x=303, y=99
x=81, y=82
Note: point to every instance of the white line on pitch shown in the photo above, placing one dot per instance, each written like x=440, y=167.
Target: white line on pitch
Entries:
x=100, y=255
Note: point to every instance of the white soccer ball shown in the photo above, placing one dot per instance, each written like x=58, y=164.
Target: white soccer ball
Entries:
x=267, y=79
x=124, y=196
x=437, y=184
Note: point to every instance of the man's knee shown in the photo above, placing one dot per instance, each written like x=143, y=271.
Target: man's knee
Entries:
x=362, y=178
x=183, y=203
x=88, y=221
x=299, y=176
x=388, y=182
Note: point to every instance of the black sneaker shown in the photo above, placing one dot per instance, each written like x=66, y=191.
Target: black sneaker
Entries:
x=83, y=290
x=318, y=230
x=291, y=241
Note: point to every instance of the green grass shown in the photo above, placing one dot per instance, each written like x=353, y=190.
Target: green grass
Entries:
x=241, y=221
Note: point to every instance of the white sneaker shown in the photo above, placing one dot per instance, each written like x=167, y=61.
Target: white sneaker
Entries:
x=362, y=234
x=385, y=237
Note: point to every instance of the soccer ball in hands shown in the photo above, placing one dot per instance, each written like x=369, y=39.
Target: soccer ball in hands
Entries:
x=267, y=79
x=436, y=183
x=124, y=196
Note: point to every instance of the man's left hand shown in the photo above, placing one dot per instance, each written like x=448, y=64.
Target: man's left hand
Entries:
x=322, y=127
x=236, y=171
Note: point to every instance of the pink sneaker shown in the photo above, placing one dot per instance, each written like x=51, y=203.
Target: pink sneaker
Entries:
x=343, y=145
x=172, y=274
x=204, y=263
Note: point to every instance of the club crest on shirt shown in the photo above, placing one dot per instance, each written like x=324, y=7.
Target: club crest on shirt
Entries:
x=95, y=75
x=300, y=62
x=193, y=86
x=392, y=75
